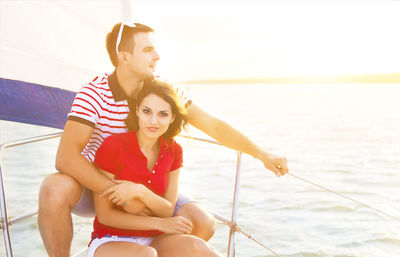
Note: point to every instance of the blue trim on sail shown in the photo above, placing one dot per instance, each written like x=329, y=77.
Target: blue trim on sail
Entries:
x=34, y=104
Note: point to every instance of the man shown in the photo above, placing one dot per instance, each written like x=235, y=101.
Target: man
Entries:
x=98, y=111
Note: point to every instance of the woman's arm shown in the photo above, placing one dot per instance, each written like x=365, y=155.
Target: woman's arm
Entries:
x=133, y=206
x=110, y=216
x=160, y=206
x=164, y=206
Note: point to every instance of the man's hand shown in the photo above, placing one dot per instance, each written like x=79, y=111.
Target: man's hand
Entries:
x=124, y=191
x=276, y=164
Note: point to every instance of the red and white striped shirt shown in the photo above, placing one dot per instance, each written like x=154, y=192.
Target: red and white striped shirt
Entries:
x=103, y=105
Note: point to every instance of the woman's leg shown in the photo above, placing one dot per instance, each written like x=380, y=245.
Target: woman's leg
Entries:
x=124, y=249
x=183, y=246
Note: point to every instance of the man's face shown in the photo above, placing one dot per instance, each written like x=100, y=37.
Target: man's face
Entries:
x=143, y=60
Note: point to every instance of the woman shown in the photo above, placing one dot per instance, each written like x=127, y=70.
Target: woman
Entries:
x=150, y=159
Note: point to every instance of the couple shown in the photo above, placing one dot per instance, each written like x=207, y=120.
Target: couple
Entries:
x=100, y=110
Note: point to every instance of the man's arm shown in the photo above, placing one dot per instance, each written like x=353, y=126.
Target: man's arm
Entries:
x=164, y=206
x=232, y=138
x=110, y=216
x=159, y=206
x=70, y=161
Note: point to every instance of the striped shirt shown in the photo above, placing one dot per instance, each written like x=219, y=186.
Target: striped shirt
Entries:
x=103, y=105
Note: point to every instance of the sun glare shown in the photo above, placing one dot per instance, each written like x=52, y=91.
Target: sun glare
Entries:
x=238, y=39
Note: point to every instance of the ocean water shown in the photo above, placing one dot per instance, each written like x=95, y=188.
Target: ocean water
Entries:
x=344, y=137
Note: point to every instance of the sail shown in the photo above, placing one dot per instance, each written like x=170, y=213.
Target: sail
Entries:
x=48, y=50
x=57, y=43
x=34, y=104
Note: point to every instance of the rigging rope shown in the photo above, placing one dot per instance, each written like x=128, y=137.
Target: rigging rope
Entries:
x=238, y=229
x=346, y=197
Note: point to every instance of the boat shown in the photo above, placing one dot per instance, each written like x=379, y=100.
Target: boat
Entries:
x=24, y=97
x=47, y=106
x=40, y=105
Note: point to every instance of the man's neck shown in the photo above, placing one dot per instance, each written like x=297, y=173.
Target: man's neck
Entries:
x=130, y=84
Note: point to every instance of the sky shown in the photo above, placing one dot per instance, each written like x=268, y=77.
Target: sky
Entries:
x=200, y=40
x=241, y=39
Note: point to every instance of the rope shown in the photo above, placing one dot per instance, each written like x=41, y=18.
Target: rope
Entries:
x=346, y=197
x=238, y=229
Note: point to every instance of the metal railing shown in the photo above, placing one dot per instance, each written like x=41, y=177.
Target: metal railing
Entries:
x=6, y=223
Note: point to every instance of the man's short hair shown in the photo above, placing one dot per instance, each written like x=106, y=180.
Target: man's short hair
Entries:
x=127, y=42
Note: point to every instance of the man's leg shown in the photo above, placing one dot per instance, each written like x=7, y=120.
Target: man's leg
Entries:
x=58, y=194
x=202, y=220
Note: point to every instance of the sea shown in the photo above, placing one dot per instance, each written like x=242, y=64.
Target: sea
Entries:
x=345, y=137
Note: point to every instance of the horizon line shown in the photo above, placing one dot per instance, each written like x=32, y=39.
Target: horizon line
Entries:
x=354, y=78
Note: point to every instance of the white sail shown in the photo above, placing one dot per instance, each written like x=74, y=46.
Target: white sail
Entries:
x=57, y=43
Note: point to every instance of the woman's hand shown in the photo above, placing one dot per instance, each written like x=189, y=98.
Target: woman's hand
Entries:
x=175, y=225
x=124, y=191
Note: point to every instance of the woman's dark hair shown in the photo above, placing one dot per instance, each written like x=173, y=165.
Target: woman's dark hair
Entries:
x=168, y=94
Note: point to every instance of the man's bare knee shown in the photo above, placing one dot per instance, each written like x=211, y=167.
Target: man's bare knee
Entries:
x=58, y=190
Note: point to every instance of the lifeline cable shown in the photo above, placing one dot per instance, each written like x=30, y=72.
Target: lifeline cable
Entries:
x=238, y=229
x=348, y=198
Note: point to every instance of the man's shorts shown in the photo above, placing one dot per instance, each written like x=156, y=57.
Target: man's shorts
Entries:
x=105, y=239
x=85, y=206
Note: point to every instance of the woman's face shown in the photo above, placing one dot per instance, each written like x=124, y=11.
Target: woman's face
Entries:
x=154, y=116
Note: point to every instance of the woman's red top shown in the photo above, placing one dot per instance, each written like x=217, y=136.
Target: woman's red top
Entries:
x=120, y=155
